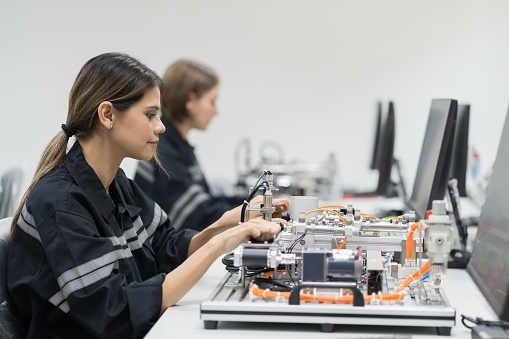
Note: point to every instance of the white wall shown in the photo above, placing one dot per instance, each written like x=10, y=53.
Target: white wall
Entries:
x=306, y=74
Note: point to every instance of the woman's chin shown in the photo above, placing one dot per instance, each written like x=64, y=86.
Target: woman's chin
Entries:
x=144, y=157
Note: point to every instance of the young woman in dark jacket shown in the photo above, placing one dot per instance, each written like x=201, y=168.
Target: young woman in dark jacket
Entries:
x=91, y=254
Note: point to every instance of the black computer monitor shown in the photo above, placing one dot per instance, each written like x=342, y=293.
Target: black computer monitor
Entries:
x=382, y=156
x=460, y=149
x=386, y=153
x=378, y=126
x=435, y=160
x=489, y=263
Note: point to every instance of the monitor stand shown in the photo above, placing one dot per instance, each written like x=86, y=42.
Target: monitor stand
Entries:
x=458, y=258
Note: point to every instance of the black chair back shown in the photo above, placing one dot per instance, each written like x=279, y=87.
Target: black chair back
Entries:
x=9, y=326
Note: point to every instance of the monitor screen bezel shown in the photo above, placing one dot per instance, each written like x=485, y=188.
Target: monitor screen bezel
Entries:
x=445, y=109
x=460, y=149
x=493, y=216
x=376, y=142
x=386, y=151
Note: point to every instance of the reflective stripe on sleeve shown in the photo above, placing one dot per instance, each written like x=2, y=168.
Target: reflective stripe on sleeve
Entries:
x=88, y=279
x=59, y=301
x=189, y=209
x=156, y=220
x=90, y=272
x=26, y=223
x=135, y=240
x=184, y=200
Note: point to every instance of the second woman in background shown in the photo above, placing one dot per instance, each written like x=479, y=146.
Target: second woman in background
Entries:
x=188, y=102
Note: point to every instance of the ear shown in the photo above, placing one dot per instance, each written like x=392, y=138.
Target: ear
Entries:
x=105, y=111
x=191, y=101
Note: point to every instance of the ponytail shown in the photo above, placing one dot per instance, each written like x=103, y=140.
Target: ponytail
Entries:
x=53, y=157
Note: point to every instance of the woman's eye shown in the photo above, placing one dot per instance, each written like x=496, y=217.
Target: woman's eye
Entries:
x=150, y=116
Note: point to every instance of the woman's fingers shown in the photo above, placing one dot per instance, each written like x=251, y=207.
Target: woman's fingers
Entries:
x=281, y=205
x=266, y=230
x=256, y=201
x=258, y=229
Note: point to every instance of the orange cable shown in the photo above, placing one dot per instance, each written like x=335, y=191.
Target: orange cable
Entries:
x=412, y=277
x=327, y=206
x=331, y=299
x=338, y=206
x=269, y=273
x=410, y=239
x=342, y=243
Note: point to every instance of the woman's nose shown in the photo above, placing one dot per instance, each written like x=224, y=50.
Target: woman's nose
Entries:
x=160, y=127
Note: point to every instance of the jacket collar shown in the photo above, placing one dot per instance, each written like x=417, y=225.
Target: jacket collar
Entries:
x=86, y=178
x=126, y=200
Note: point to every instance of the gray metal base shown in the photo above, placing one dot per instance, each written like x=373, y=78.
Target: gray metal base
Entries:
x=232, y=302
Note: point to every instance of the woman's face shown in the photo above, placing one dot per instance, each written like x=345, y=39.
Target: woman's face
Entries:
x=201, y=110
x=136, y=131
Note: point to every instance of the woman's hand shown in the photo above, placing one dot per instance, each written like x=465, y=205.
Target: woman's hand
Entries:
x=281, y=204
x=258, y=229
x=202, y=253
x=232, y=217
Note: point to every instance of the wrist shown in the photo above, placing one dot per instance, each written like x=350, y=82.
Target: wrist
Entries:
x=214, y=247
x=224, y=222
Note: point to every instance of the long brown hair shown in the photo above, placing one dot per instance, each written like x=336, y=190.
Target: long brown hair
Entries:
x=182, y=78
x=114, y=77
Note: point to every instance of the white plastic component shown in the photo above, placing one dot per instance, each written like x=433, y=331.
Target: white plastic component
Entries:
x=405, y=271
x=374, y=261
x=303, y=204
x=357, y=224
x=438, y=241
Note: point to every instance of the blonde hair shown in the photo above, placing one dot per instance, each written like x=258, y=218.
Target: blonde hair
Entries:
x=114, y=77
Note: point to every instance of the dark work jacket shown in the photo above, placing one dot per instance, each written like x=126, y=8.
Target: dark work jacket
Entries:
x=185, y=195
x=82, y=264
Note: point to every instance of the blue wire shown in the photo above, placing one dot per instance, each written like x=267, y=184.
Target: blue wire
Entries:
x=426, y=276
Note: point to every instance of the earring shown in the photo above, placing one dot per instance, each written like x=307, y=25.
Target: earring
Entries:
x=111, y=126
